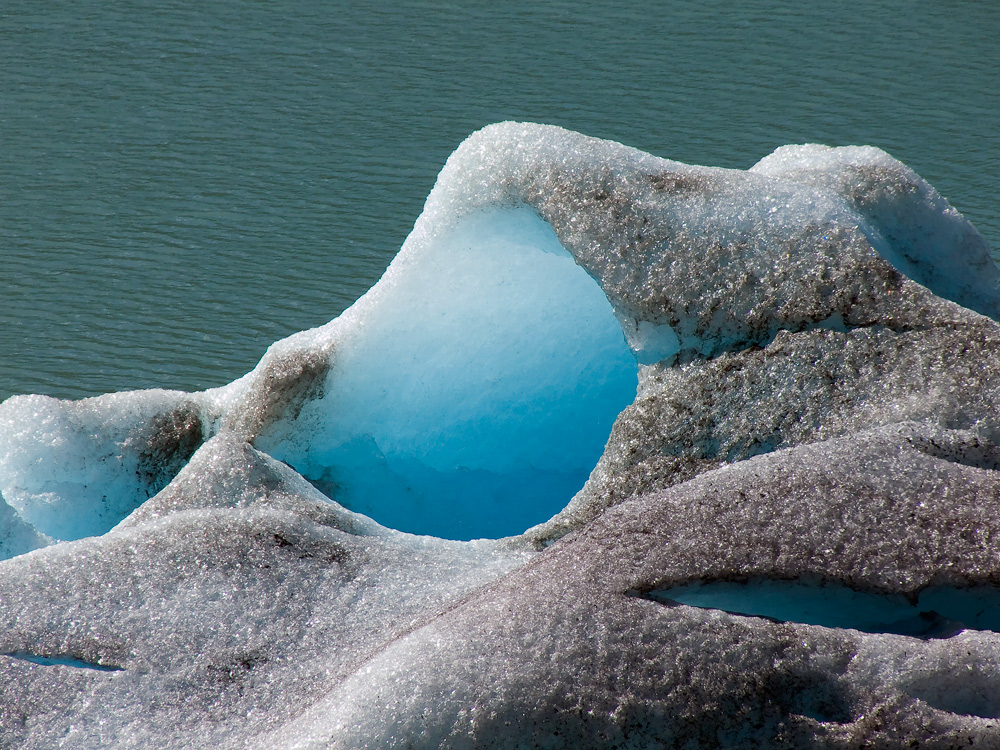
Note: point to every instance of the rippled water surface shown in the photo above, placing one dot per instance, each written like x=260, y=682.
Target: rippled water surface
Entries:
x=183, y=183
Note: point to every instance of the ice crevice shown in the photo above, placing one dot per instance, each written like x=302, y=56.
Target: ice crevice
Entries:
x=63, y=660
x=933, y=612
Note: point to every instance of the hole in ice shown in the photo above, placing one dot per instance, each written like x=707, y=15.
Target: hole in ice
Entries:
x=64, y=661
x=477, y=389
x=939, y=612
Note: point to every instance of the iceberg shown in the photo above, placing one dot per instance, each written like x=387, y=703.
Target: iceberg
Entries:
x=619, y=452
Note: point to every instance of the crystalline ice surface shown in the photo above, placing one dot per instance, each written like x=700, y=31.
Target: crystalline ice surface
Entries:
x=76, y=468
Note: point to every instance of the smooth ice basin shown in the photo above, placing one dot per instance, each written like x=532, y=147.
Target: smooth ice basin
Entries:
x=474, y=388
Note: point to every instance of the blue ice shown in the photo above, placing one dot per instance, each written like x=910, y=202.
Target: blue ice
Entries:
x=937, y=611
x=63, y=661
x=473, y=388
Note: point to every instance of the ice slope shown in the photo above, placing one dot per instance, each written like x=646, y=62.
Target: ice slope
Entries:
x=816, y=412
x=572, y=651
x=74, y=469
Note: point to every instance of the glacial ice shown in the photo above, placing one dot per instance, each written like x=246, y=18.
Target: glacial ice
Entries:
x=468, y=395
x=278, y=562
x=472, y=395
x=75, y=469
x=908, y=221
x=934, y=613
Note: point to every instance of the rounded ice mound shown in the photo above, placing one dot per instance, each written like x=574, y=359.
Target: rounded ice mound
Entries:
x=472, y=390
x=909, y=222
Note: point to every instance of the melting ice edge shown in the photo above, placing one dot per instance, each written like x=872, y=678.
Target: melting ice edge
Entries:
x=797, y=368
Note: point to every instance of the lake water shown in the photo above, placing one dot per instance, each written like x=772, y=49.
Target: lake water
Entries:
x=183, y=183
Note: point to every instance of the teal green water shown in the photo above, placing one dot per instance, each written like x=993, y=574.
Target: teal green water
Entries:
x=182, y=184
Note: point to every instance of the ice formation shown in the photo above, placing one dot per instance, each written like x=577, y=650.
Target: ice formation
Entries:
x=786, y=536
x=475, y=392
x=467, y=395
